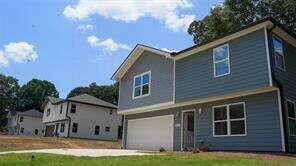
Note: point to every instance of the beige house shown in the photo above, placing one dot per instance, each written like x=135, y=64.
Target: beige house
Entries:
x=25, y=123
x=82, y=116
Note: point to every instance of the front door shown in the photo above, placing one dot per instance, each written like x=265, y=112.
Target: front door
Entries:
x=49, y=131
x=188, y=131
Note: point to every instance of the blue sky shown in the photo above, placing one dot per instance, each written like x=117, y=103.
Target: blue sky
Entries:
x=74, y=43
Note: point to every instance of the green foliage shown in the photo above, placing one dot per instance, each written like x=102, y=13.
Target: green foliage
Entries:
x=35, y=92
x=233, y=14
x=108, y=93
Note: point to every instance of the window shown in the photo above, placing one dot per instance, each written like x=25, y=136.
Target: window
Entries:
x=48, y=112
x=22, y=130
x=36, y=131
x=75, y=128
x=291, y=117
x=110, y=112
x=107, y=129
x=278, y=53
x=21, y=119
x=61, y=109
x=73, y=108
x=221, y=60
x=229, y=120
x=62, y=129
x=142, y=85
x=97, y=130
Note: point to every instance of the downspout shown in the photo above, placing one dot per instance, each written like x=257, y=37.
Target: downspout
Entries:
x=281, y=90
x=68, y=118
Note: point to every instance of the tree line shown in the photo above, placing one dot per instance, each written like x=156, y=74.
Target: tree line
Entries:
x=31, y=95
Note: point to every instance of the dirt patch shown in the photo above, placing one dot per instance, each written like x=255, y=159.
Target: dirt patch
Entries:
x=8, y=142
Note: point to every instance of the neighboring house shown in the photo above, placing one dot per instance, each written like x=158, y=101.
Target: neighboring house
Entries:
x=236, y=92
x=24, y=123
x=82, y=116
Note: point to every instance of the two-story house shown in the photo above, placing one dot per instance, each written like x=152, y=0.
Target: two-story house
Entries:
x=24, y=123
x=236, y=92
x=82, y=116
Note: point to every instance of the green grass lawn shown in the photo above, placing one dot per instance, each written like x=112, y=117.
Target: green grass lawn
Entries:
x=170, y=160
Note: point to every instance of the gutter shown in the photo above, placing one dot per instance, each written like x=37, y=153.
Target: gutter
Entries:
x=280, y=86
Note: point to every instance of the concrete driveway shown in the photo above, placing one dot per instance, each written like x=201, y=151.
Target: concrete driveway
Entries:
x=84, y=152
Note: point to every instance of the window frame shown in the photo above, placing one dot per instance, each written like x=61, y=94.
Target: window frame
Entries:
x=228, y=120
x=72, y=104
x=62, y=128
x=289, y=100
x=73, y=128
x=109, y=129
x=48, y=112
x=226, y=59
x=98, y=129
x=36, y=132
x=22, y=130
x=274, y=37
x=141, y=85
x=21, y=119
x=61, y=109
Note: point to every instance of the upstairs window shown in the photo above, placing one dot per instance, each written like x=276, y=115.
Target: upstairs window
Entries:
x=291, y=117
x=61, y=109
x=229, y=120
x=278, y=53
x=48, y=112
x=221, y=60
x=73, y=108
x=97, y=130
x=142, y=85
x=75, y=128
x=21, y=119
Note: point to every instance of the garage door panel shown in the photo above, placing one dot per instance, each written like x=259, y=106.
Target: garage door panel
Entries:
x=151, y=133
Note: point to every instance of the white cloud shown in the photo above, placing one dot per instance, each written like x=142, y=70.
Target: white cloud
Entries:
x=20, y=52
x=108, y=46
x=85, y=27
x=166, y=11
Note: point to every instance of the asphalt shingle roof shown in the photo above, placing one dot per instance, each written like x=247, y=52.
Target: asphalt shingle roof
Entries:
x=32, y=113
x=85, y=98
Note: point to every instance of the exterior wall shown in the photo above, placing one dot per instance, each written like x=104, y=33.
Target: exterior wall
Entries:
x=12, y=124
x=54, y=112
x=30, y=124
x=162, y=76
x=248, y=70
x=288, y=80
x=262, y=120
x=88, y=116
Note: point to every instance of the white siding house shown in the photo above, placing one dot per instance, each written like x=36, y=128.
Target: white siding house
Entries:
x=82, y=116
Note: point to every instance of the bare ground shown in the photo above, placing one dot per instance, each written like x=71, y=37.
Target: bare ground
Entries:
x=8, y=142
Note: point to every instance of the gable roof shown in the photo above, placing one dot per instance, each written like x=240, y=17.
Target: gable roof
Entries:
x=31, y=113
x=88, y=99
x=267, y=23
x=133, y=56
x=53, y=100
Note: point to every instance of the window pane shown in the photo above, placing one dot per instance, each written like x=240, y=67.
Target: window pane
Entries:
x=146, y=78
x=220, y=53
x=220, y=128
x=137, y=92
x=291, y=109
x=145, y=89
x=279, y=61
x=236, y=111
x=222, y=68
x=292, y=126
x=220, y=113
x=237, y=127
x=278, y=46
x=138, y=81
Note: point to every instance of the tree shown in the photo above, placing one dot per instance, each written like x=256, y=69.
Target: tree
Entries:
x=9, y=88
x=108, y=93
x=233, y=14
x=34, y=93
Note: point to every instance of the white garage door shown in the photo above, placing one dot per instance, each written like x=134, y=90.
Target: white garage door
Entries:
x=151, y=133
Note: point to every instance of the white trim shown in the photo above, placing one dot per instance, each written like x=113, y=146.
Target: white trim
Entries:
x=224, y=39
x=268, y=56
x=226, y=59
x=141, y=85
x=289, y=100
x=171, y=104
x=274, y=37
x=281, y=120
x=181, y=127
x=228, y=120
